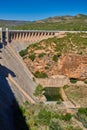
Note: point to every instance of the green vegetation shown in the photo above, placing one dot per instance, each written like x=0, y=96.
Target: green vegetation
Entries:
x=41, y=55
x=82, y=111
x=70, y=43
x=77, y=94
x=46, y=67
x=55, y=57
x=32, y=56
x=56, y=125
x=39, y=90
x=77, y=22
x=85, y=81
x=65, y=86
x=82, y=116
x=64, y=23
x=73, y=80
x=66, y=117
x=23, y=52
x=38, y=74
x=46, y=117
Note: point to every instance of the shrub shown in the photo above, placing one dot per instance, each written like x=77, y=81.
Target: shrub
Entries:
x=82, y=116
x=85, y=81
x=65, y=86
x=66, y=117
x=73, y=80
x=44, y=117
x=23, y=52
x=46, y=67
x=38, y=74
x=39, y=90
x=59, y=102
x=41, y=55
x=82, y=111
x=55, y=57
x=32, y=56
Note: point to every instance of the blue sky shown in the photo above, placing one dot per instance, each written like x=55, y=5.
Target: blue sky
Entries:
x=40, y=9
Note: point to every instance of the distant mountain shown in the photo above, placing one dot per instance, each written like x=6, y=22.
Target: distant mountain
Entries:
x=78, y=22
x=12, y=23
x=66, y=18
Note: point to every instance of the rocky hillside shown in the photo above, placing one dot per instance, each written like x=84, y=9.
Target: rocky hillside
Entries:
x=58, y=56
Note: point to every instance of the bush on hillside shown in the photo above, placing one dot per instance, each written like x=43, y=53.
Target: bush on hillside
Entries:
x=32, y=56
x=23, y=52
x=38, y=74
x=55, y=57
x=73, y=80
x=41, y=55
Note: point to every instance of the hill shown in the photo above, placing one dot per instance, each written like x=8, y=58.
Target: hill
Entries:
x=78, y=22
x=12, y=23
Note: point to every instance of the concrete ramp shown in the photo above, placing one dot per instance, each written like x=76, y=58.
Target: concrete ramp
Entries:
x=23, y=79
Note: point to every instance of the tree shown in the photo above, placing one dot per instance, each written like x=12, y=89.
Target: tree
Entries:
x=39, y=90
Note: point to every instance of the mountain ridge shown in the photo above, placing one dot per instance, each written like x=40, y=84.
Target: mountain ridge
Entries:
x=66, y=22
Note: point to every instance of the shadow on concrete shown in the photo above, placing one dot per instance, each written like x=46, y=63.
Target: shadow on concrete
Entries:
x=11, y=117
x=1, y=46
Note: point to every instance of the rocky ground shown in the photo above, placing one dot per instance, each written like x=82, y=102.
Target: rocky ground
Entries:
x=60, y=56
x=70, y=65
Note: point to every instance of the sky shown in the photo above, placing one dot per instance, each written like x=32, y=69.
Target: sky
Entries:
x=30, y=10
